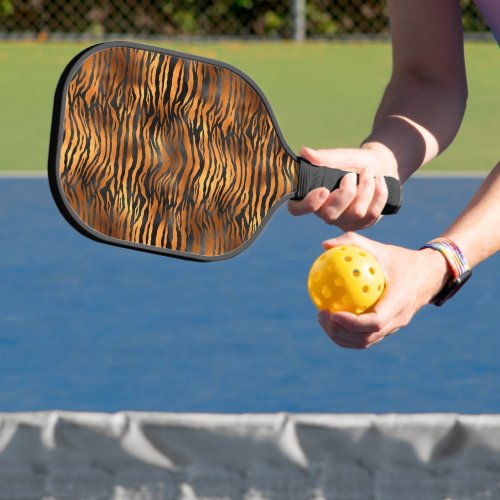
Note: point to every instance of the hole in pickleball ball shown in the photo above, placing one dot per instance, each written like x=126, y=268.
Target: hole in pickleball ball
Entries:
x=379, y=287
x=360, y=309
x=356, y=273
x=317, y=300
x=339, y=281
x=372, y=270
x=336, y=306
x=317, y=276
x=330, y=268
x=348, y=258
x=362, y=254
x=346, y=299
x=326, y=292
x=366, y=289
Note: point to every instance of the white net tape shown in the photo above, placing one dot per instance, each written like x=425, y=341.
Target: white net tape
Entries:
x=160, y=456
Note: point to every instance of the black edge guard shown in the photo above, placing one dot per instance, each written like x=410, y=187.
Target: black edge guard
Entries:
x=312, y=177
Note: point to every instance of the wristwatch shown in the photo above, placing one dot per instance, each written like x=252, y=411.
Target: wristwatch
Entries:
x=460, y=270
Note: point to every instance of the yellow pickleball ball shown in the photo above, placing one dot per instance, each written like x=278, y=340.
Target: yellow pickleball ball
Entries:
x=346, y=278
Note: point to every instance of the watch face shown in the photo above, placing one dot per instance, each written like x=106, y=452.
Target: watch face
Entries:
x=451, y=288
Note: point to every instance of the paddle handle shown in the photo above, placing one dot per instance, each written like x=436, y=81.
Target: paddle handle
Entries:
x=313, y=177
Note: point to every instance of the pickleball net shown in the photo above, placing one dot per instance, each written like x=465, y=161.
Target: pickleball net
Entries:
x=159, y=456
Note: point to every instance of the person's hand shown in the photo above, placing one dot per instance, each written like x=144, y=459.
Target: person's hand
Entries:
x=351, y=206
x=413, y=278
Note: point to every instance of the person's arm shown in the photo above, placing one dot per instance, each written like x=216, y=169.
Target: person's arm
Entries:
x=477, y=230
x=419, y=114
x=414, y=277
x=424, y=103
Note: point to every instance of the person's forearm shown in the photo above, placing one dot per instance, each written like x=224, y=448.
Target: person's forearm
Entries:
x=424, y=102
x=477, y=230
x=416, y=120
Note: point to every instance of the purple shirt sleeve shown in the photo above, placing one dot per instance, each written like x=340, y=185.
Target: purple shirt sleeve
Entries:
x=490, y=9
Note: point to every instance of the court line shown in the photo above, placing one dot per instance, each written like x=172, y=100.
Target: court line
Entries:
x=452, y=174
x=12, y=174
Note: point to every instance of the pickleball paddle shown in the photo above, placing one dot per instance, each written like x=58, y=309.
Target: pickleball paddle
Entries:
x=172, y=153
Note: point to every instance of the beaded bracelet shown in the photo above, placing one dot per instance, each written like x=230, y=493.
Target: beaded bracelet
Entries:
x=452, y=254
x=460, y=269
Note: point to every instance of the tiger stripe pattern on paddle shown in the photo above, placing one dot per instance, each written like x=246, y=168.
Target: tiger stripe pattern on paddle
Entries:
x=170, y=152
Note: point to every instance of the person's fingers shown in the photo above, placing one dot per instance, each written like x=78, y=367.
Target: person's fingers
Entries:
x=351, y=221
x=340, y=335
x=361, y=324
x=350, y=238
x=356, y=204
x=330, y=206
x=311, y=203
x=380, y=197
x=313, y=156
x=342, y=158
x=353, y=205
x=353, y=340
x=333, y=203
x=376, y=324
x=315, y=199
x=339, y=199
x=349, y=339
x=340, y=341
x=349, y=190
x=358, y=209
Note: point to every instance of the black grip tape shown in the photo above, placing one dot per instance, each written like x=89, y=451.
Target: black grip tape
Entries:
x=313, y=177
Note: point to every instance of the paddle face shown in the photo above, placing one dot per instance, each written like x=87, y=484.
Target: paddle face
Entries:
x=165, y=152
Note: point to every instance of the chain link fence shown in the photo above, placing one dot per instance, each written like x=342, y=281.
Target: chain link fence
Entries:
x=206, y=18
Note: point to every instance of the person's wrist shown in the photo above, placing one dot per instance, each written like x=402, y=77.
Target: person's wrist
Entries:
x=437, y=272
x=386, y=157
x=458, y=266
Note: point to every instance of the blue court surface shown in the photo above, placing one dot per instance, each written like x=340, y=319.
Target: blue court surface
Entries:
x=91, y=327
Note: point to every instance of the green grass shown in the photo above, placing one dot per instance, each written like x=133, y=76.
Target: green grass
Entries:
x=323, y=95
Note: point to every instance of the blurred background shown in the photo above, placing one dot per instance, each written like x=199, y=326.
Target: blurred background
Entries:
x=283, y=19
x=324, y=91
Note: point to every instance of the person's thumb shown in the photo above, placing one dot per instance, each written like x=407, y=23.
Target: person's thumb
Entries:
x=351, y=159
